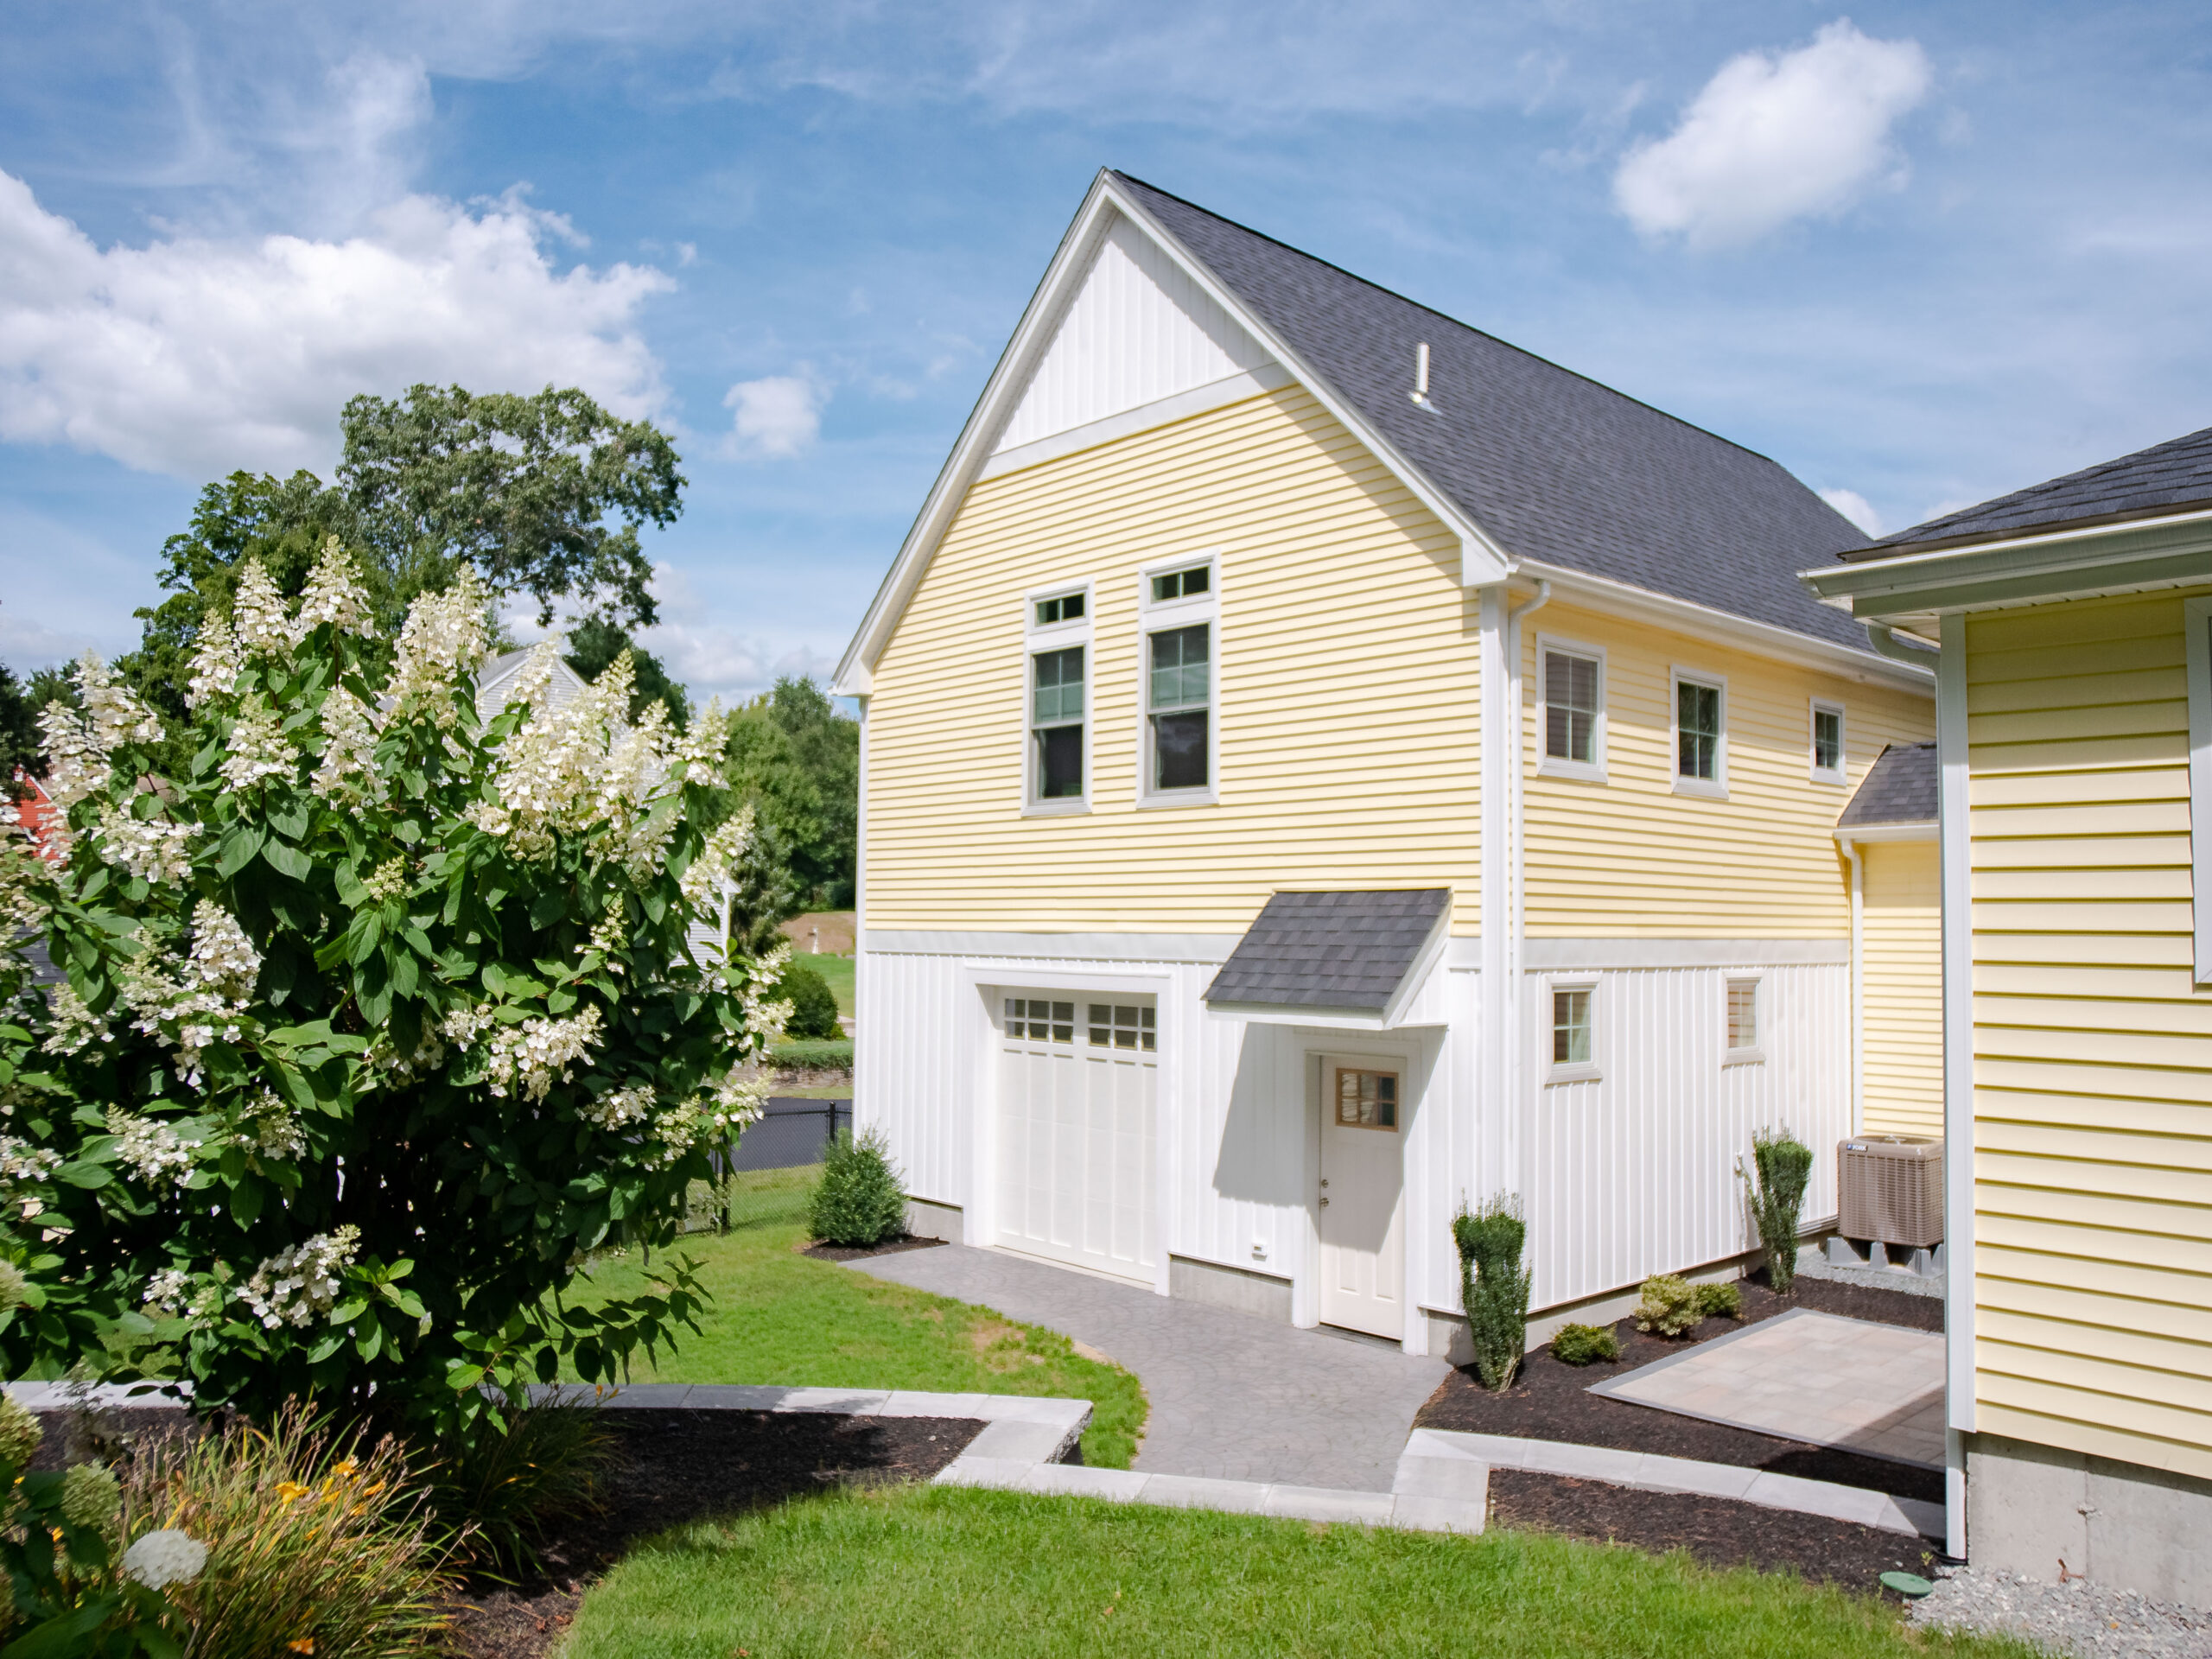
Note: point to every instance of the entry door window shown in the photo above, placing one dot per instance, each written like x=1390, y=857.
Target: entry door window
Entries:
x=1367, y=1100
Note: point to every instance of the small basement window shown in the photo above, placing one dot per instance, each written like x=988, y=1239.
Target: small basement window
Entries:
x=1039, y=1020
x=1744, y=1020
x=1574, y=1034
x=1119, y=1026
x=1366, y=1100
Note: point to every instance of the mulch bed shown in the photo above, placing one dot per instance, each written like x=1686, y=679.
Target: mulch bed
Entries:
x=674, y=1466
x=1717, y=1531
x=898, y=1246
x=1549, y=1401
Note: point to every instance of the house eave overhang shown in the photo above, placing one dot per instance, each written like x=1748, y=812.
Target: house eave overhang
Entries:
x=1762, y=638
x=1915, y=590
x=1482, y=560
x=1848, y=833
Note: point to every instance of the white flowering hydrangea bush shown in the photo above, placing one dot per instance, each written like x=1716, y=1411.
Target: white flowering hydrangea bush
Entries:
x=373, y=1027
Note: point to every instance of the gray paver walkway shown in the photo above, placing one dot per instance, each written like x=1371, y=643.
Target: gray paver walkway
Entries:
x=1809, y=1377
x=1233, y=1397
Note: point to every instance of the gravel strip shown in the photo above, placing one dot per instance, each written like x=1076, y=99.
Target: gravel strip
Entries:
x=2077, y=1618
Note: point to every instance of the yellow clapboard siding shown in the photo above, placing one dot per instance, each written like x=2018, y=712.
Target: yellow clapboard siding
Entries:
x=1630, y=857
x=2093, y=1046
x=1327, y=567
x=1901, y=988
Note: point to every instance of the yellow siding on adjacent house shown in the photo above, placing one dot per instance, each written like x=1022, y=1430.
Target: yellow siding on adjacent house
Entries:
x=1346, y=656
x=1630, y=857
x=1901, y=984
x=2092, y=1046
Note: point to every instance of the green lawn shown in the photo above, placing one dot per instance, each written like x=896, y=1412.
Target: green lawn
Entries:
x=780, y=1317
x=973, y=1575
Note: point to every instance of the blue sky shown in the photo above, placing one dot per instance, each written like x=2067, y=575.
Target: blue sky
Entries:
x=1921, y=254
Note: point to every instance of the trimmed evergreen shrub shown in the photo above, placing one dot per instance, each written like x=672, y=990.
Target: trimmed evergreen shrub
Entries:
x=1669, y=1305
x=1583, y=1344
x=1720, y=1301
x=861, y=1198
x=1784, y=1167
x=814, y=1005
x=1494, y=1286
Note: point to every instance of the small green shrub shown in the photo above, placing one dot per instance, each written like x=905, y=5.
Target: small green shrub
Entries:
x=861, y=1198
x=1494, y=1286
x=814, y=1005
x=1784, y=1166
x=1720, y=1301
x=1585, y=1344
x=496, y=1494
x=316, y=1542
x=1669, y=1305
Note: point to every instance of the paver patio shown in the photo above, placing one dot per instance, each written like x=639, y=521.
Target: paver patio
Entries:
x=1814, y=1377
x=1233, y=1397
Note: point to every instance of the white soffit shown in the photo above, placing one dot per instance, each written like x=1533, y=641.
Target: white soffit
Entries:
x=1137, y=331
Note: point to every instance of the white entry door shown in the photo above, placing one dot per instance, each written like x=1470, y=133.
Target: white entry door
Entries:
x=1077, y=1085
x=1363, y=1207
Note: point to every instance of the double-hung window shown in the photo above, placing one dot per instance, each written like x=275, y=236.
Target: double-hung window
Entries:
x=1181, y=649
x=1700, y=734
x=1056, y=700
x=1827, y=742
x=1571, y=679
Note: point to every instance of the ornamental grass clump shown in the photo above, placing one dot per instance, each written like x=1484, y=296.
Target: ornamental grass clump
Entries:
x=495, y=1494
x=312, y=1541
x=1494, y=1286
x=861, y=1199
x=380, y=1015
x=1784, y=1167
x=1585, y=1344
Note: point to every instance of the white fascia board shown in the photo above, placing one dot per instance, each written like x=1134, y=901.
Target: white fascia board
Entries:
x=1275, y=1013
x=1761, y=639
x=1482, y=561
x=1866, y=832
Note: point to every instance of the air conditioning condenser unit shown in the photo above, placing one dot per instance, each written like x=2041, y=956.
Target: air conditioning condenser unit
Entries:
x=1890, y=1188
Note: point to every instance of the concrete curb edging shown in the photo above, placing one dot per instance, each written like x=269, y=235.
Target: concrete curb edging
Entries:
x=1650, y=1472
x=1428, y=1494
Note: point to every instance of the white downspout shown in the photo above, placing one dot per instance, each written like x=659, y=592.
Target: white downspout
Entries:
x=1857, y=855
x=1512, y=992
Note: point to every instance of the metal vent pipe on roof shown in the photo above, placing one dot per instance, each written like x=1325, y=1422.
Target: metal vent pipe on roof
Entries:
x=1420, y=373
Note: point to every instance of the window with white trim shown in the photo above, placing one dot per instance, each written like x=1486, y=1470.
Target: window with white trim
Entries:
x=1039, y=1019
x=1574, y=1031
x=1181, y=665
x=1571, y=681
x=1056, y=712
x=1744, y=1018
x=1826, y=736
x=1120, y=1025
x=1700, y=734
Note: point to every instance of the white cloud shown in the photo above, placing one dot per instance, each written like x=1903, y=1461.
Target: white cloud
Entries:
x=27, y=643
x=1774, y=138
x=195, y=356
x=1855, y=507
x=780, y=415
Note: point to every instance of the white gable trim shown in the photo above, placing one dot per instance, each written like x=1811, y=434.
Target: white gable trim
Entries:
x=1233, y=389
x=1482, y=560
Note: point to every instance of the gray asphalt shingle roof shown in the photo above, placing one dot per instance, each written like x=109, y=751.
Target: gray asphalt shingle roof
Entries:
x=1899, y=788
x=1555, y=466
x=2166, y=476
x=1330, y=949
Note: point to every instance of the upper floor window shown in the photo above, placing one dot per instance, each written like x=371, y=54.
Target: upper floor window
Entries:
x=1827, y=742
x=1056, y=723
x=1700, y=734
x=1182, y=584
x=1181, y=700
x=1571, y=680
x=1061, y=607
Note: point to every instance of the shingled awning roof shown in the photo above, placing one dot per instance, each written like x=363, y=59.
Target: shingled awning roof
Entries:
x=2167, y=478
x=1341, y=953
x=1899, y=788
x=1556, y=467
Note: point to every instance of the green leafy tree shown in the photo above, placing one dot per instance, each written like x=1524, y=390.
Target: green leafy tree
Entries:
x=796, y=761
x=594, y=642
x=379, y=1018
x=19, y=739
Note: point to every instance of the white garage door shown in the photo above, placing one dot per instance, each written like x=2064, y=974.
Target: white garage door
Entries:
x=1079, y=1079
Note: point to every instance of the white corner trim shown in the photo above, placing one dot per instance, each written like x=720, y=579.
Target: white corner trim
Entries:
x=1215, y=394
x=2196, y=622
x=1957, y=870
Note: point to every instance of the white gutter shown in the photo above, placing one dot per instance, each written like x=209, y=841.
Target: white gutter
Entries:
x=1513, y=992
x=1884, y=639
x=1956, y=856
x=1858, y=857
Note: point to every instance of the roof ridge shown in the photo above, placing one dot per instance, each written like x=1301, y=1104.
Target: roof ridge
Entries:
x=1446, y=316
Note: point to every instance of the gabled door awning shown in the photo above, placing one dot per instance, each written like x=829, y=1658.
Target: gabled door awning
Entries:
x=1354, y=959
